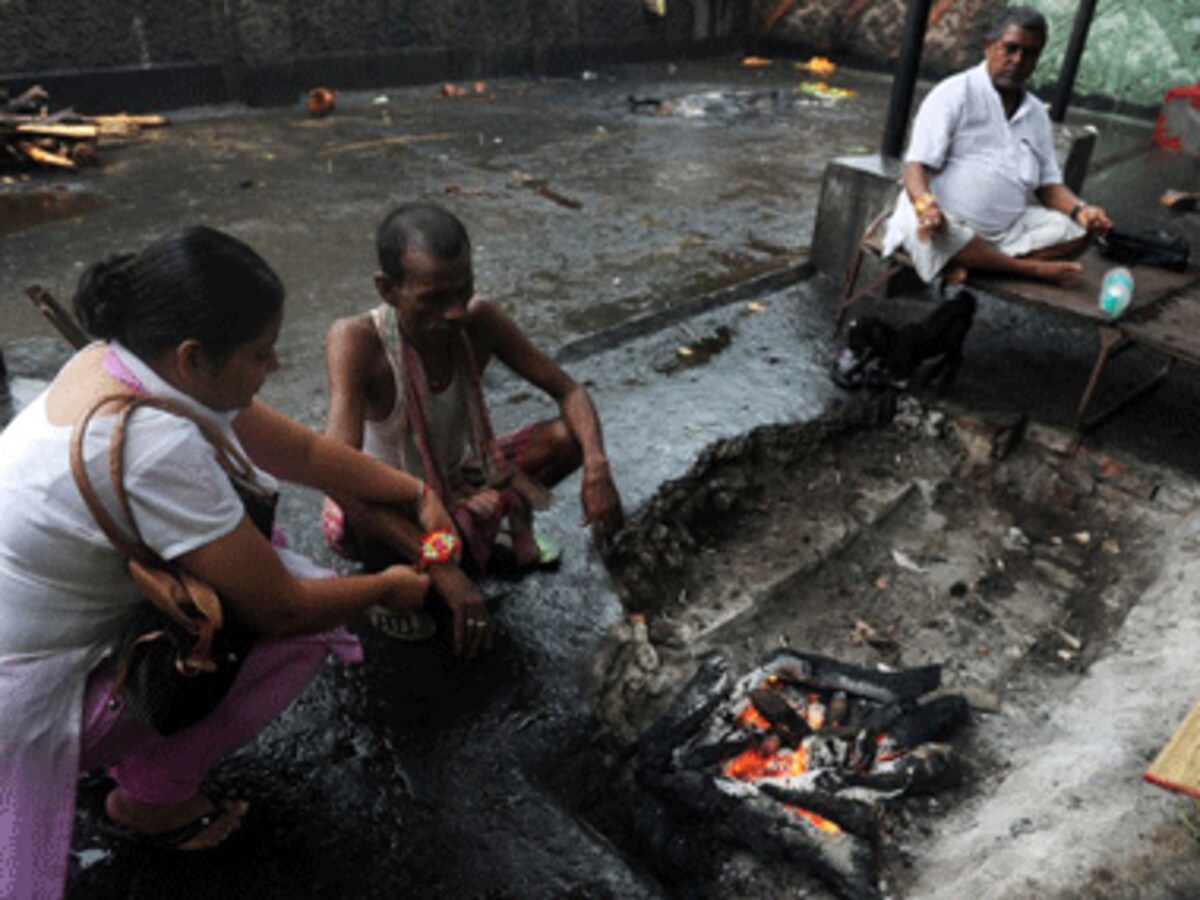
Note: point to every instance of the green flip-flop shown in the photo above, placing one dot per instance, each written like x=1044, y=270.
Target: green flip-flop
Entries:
x=549, y=553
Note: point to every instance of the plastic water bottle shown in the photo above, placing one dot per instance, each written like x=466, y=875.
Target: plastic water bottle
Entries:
x=1116, y=291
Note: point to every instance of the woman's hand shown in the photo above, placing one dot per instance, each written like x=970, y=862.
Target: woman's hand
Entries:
x=407, y=589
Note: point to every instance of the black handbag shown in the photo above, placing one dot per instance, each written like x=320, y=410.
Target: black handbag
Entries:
x=182, y=649
x=1163, y=249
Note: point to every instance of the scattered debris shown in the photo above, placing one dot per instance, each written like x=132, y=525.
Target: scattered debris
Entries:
x=321, y=101
x=478, y=90
x=716, y=104
x=756, y=306
x=29, y=133
x=866, y=633
x=819, y=66
x=700, y=349
x=395, y=140
x=540, y=187
x=904, y=561
x=453, y=188
x=1016, y=541
x=821, y=90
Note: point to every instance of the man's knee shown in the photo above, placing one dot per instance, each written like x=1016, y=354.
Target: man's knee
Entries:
x=562, y=446
x=552, y=452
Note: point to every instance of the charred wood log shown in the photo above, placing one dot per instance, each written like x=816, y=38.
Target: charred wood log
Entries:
x=831, y=674
x=846, y=861
x=785, y=721
x=850, y=815
x=706, y=755
x=932, y=721
x=709, y=687
x=927, y=769
x=839, y=709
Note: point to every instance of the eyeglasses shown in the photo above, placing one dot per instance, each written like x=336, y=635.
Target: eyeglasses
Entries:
x=1012, y=48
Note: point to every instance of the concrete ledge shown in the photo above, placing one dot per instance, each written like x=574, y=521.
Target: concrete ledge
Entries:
x=651, y=322
x=1074, y=145
x=854, y=191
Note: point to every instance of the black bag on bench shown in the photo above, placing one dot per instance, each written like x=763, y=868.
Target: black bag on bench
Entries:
x=1163, y=249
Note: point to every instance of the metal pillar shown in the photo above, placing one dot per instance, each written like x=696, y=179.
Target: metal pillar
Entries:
x=1070, y=65
x=905, y=81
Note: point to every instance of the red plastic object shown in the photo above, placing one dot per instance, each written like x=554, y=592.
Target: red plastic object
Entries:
x=1178, y=125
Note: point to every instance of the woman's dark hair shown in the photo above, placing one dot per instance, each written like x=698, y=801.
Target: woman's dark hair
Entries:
x=1025, y=17
x=424, y=225
x=193, y=283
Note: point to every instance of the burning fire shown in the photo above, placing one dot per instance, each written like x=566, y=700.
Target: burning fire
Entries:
x=769, y=760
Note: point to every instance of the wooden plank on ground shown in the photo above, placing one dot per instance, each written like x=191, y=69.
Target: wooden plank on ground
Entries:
x=1177, y=767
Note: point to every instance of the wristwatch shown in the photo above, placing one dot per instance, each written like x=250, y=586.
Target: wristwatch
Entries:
x=1076, y=209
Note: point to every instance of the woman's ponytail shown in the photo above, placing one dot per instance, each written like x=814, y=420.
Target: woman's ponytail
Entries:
x=104, y=297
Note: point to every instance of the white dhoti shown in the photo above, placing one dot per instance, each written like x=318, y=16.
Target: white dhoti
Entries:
x=1034, y=229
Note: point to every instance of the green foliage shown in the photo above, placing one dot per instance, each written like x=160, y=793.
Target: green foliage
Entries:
x=1136, y=49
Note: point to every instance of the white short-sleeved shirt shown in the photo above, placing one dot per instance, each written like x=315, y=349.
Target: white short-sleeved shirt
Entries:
x=983, y=165
x=62, y=583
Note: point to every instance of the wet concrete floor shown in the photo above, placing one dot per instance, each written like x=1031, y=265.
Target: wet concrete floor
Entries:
x=417, y=774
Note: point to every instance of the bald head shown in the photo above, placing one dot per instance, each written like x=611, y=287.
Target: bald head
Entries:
x=421, y=226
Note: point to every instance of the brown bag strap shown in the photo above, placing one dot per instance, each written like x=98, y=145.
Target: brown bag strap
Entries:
x=229, y=457
x=191, y=603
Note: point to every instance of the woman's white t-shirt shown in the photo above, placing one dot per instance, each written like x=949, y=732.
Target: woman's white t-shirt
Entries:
x=62, y=584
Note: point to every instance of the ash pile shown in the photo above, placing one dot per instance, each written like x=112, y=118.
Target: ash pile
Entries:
x=795, y=761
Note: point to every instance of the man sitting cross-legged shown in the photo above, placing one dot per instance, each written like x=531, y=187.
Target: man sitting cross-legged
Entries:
x=405, y=386
x=982, y=150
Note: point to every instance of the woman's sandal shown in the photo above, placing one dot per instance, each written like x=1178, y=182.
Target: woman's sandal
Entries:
x=175, y=838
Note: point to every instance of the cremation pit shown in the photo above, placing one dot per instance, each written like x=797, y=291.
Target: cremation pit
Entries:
x=999, y=551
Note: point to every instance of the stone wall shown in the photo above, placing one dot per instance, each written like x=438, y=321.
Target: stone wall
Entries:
x=266, y=50
x=1136, y=48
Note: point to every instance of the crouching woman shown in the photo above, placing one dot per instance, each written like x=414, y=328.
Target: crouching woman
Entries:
x=193, y=318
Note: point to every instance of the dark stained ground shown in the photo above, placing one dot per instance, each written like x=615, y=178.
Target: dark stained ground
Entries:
x=418, y=775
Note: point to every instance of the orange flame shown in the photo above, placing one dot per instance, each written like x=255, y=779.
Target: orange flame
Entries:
x=823, y=824
x=751, y=718
x=768, y=762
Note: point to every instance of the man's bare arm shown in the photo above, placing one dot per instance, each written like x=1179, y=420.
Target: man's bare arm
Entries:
x=505, y=339
x=930, y=218
x=349, y=348
x=1067, y=202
